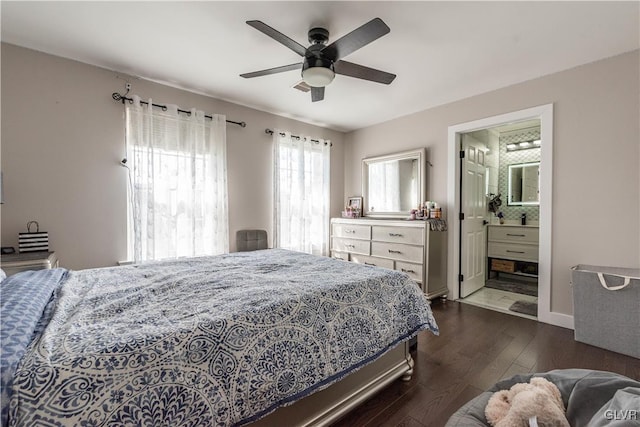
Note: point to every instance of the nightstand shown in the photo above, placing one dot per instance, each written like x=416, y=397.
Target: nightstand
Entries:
x=15, y=263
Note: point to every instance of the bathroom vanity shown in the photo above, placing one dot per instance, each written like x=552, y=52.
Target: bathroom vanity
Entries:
x=513, y=249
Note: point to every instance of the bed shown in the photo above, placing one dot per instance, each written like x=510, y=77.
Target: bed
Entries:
x=224, y=340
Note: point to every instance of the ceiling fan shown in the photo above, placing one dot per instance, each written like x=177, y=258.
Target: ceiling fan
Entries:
x=321, y=61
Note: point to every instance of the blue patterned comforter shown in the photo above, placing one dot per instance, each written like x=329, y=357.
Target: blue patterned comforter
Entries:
x=207, y=341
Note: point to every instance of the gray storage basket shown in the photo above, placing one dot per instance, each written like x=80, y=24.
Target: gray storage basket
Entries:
x=606, y=307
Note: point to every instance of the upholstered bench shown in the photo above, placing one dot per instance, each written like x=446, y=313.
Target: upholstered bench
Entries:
x=251, y=240
x=592, y=398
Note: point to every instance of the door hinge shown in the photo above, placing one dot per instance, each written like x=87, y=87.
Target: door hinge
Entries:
x=462, y=154
x=461, y=216
x=460, y=278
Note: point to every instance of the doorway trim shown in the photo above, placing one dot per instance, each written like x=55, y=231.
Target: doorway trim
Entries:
x=545, y=114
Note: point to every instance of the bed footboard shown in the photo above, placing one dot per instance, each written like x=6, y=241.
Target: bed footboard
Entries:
x=327, y=406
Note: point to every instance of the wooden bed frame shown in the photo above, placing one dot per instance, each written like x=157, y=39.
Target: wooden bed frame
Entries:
x=327, y=406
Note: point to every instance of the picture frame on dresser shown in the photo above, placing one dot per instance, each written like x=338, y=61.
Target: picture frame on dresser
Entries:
x=354, y=202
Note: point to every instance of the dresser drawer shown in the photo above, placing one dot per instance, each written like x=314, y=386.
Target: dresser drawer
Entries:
x=369, y=260
x=397, y=251
x=350, y=245
x=352, y=231
x=398, y=234
x=513, y=251
x=514, y=234
x=340, y=255
x=413, y=270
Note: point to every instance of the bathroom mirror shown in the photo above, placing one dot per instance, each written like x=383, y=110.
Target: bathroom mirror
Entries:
x=524, y=184
x=394, y=184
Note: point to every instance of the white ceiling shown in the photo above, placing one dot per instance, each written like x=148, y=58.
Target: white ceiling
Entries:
x=441, y=51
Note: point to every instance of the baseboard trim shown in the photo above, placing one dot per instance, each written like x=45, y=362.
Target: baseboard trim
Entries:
x=557, y=319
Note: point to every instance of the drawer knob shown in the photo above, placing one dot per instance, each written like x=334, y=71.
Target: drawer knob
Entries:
x=350, y=246
x=395, y=234
x=349, y=231
x=369, y=263
x=391, y=251
x=515, y=235
x=515, y=252
x=407, y=271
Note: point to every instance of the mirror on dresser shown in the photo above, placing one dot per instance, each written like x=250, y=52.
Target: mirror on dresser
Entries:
x=393, y=184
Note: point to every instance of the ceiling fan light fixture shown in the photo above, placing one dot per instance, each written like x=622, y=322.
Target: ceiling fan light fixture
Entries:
x=318, y=76
x=320, y=58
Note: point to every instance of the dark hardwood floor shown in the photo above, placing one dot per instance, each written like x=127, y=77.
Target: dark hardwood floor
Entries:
x=476, y=348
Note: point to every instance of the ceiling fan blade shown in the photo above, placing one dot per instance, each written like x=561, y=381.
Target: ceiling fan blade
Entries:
x=356, y=39
x=279, y=37
x=274, y=70
x=317, y=94
x=361, y=72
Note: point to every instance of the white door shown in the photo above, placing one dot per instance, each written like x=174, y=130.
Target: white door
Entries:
x=474, y=206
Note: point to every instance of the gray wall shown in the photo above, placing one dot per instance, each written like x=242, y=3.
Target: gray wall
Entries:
x=63, y=138
x=596, y=178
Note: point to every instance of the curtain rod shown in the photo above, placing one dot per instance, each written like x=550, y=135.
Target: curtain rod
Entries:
x=270, y=132
x=123, y=98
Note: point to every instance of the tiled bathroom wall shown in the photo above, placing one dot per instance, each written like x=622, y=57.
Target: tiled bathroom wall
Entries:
x=516, y=157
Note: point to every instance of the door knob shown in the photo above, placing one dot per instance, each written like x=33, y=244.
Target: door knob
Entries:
x=485, y=222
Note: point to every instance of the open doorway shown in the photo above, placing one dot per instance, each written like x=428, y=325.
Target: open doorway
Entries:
x=499, y=199
x=543, y=113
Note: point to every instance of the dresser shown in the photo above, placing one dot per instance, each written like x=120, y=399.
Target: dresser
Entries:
x=516, y=245
x=407, y=246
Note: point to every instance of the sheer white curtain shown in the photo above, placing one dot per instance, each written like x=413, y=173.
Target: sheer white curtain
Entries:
x=301, y=205
x=178, y=188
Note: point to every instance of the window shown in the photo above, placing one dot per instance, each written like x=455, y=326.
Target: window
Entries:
x=301, y=192
x=178, y=191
